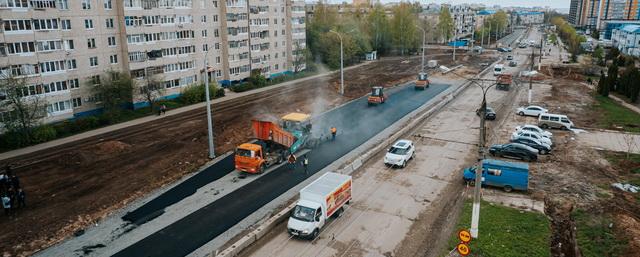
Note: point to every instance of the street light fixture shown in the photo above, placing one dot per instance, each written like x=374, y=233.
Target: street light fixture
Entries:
x=475, y=215
x=341, y=63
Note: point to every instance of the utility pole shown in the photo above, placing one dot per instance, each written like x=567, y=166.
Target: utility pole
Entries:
x=455, y=41
x=341, y=63
x=541, y=47
x=424, y=39
x=482, y=39
x=531, y=74
x=212, y=153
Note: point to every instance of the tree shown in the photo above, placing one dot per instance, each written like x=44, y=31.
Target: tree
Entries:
x=378, y=29
x=445, y=25
x=612, y=79
x=598, y=54
x=403, y=27
x=595, y=34
x=612, y=54
x=114, y=90
x=152, y=90
x=300, y=56
x=23, y=103
x=501, y=20
x=602, y=83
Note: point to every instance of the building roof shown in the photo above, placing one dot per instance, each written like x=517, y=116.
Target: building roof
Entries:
x=631, y=28
x=486, y=12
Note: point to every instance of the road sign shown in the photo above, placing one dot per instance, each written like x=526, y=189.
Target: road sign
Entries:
x=464, y=236
x=463, y=249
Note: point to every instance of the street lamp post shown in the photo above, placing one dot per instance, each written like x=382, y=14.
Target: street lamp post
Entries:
x=212, y=153
x=475, y=214
x=341, y=63
x=424, y=37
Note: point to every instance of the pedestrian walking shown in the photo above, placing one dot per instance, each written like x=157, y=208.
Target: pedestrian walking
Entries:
x=22, y=198
x=292, y=161
x=305, y=163
x=163, y=109
x=6, y=204
x=334, y=131
x=14, y=181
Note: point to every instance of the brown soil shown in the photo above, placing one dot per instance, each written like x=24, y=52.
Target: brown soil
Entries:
x=72, y=189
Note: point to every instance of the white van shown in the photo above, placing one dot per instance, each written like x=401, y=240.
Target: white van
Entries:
x=498, y=69
x=547, y=120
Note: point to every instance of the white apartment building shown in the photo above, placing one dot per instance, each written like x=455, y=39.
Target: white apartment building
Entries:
x=65, y=47
x=627, y=39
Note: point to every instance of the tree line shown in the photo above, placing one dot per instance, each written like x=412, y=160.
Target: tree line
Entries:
x=626, y=83
x=569, y=36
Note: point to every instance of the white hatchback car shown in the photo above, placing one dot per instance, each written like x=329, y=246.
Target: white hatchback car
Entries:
x=531, y=110
x=534, y=128
x=400, y=153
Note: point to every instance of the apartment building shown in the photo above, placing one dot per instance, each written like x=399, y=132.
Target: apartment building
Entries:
x=65, y=47
x=464, y=18
x=627, y=39
x=592, y=14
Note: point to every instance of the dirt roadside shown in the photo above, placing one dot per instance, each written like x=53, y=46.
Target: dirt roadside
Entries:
x=74, y=189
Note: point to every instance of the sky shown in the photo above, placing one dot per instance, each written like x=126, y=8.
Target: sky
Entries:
x=523, y=3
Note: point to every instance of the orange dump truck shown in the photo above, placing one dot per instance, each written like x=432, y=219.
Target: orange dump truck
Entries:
x=271, y=147
x=274, y=142
x=504, y=82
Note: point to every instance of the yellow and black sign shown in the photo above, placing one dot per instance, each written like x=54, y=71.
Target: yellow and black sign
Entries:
x=463, y=249
x=464, y=236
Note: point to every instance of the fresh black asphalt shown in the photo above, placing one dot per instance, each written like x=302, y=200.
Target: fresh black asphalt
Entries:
x=356, y=124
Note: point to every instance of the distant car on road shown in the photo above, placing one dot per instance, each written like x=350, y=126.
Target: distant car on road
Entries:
x=400, y=153
x=535, y=144
x=535, y=128
x=502, y=50
x=531, y=110
x=509, y=49
x=509, y=57
x=489, y=115
x=514, y=150
x=513, y=64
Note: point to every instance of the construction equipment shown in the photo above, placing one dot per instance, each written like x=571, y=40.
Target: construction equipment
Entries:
x=377, y=96
x=423, y=82
x=274, y=142
x=504, y=82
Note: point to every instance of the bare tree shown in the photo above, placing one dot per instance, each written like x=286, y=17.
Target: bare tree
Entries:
x=630, y=144
x=23, y=103
x=152, y=90
x=114, y=89
x=300, y=57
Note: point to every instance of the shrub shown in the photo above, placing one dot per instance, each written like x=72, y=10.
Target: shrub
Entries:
x=196, y=93
x=43, y=133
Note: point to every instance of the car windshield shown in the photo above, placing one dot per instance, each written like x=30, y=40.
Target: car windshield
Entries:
x=489, y=110
x=303, y=213
x=244, y=152
x=399, y=151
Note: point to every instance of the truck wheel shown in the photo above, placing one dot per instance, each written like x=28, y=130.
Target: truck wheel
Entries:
x=472, y=183
x=404, y=164
x=263, y=167
x=543, y=151
x=508, y=189
x=521, y=113
x=314, y=234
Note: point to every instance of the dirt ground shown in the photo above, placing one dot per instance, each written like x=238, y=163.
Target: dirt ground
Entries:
x=576, y=176
x=71, y=190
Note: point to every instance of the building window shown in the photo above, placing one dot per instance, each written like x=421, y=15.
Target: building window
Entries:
x=215, y=18
x=109, y=23
x=88, y=24
x=86, y=4
x=216, y=33
x=71, y=64
x=205, y=48
x=14, y=3
x=45, y=24
x=20, y=47
x=107, y=4
x=113, y=59
x=93, y=61
x=73, y=83
x=66, y=24
x=77, y=102
x=94, y=80
x=111, y=41
x=204, y=33
x=16, y=25
x=59, y=106
x=68, y=44
x=63, y=4
x=49, y=45
x=217, y=46
x=203, y=19
x=91, y=43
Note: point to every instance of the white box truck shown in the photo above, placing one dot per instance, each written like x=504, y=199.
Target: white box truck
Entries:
x=323, y=198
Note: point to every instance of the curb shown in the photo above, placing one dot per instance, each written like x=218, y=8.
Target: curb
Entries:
x=409, y=122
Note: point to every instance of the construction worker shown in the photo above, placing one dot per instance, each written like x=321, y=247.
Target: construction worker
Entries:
x=292, y=161
x=305, y=163
x=334, y=130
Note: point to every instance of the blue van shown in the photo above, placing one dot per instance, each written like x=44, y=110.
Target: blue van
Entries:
x=508, y=175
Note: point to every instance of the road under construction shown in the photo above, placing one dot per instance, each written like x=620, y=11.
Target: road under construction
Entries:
x=356, y=122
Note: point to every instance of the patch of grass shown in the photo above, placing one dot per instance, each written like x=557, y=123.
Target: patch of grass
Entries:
x=595, y=237
x=614, y=114
x=621, y=161
x=505, y=232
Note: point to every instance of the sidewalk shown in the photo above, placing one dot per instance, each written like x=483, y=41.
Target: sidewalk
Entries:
x=173, y=112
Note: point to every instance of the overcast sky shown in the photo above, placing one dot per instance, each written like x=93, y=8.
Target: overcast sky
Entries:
x=524, y=3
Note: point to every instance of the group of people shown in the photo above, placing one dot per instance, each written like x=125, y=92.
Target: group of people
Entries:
x=292, y=160
x=11, y=194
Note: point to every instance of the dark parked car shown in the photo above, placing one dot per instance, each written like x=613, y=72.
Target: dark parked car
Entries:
x=514, y=150
x=490, y=115
x=535, y=144
x=503, y=50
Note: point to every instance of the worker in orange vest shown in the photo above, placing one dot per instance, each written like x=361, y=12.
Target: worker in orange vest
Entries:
x=334, y=130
